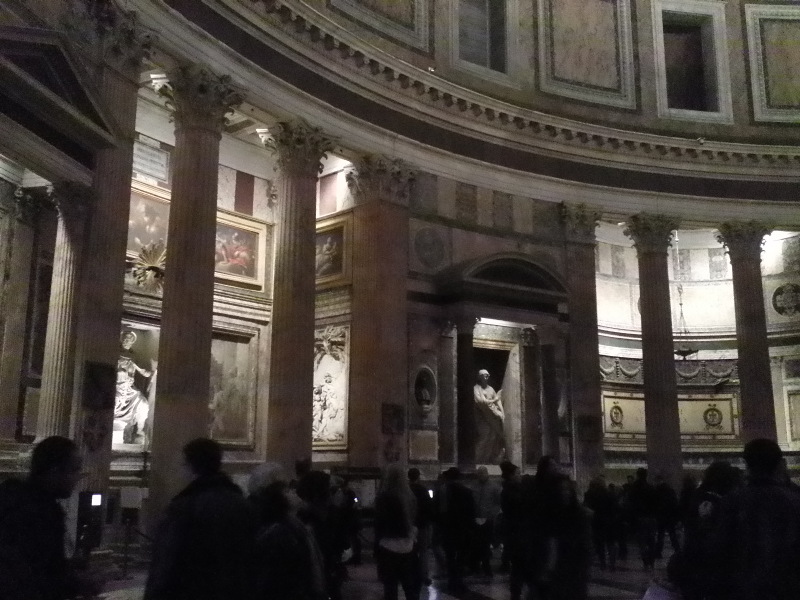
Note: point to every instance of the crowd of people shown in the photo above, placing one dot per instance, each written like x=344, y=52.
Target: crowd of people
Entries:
x=735, y=536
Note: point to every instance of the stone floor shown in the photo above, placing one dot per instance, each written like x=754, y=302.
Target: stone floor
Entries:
x=628, y=582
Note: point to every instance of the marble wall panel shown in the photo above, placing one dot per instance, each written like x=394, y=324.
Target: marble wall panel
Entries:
x=264, y=198
x=502, y=211
x=424, y=198
x=485, y=208
x=791, y=255
x=523, y=214
x=406, y=21
x=717, y=263
x=226, y=188
x=618, y=267
x=466, y=203
x=781, y=62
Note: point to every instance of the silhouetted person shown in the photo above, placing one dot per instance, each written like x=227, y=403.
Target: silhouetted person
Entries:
x=643, y=506
x=757, y=541
x=455, y=515
x=567, y=572
x=513, y=535
x=32, y=561
x=424, y=522
x=602, y=503
x=395, y=536
x=487, y=507
x=204, y=546
x=667, y=512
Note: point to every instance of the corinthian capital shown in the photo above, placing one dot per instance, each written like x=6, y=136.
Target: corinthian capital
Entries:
x=380, y=178
x=72, y=200
x=298, y=146
x=651, y=233
x=200, y=98
x=579, y=222
x=106, y=33
x=743, y=239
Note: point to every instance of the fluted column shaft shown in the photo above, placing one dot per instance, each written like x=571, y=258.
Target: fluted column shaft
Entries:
x=379, y=343
x=466, y=378
x=201, y=100
x=58, y=376
x=103, y=279
x=651, y=235
x=757, y=408
x=299, y=149
x=584, y=344
x=531, y=377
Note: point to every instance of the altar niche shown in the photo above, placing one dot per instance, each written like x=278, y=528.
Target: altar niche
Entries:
x=492, y=444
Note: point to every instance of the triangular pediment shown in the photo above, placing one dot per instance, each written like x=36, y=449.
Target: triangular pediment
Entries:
x=42, y=89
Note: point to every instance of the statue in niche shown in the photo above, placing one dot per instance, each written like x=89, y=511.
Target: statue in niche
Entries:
x=489, y=416
x=131, y=406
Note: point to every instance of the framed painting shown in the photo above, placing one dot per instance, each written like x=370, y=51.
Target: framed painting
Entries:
x=330, y=393
x=148, y=221
x=232, y=398
x=333, y=252
x=241, y=249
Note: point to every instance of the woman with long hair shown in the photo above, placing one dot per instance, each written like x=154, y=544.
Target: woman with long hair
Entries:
x=396, y=535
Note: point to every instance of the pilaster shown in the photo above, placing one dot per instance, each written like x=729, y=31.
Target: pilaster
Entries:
x=651, y=235
x=743, y=241
x=379, y=350
x=579, y=223
x=466, y=377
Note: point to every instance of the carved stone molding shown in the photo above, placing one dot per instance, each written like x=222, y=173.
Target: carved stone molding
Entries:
x=465, y=324
x=743, y=239
x=528, y=337
x=651, y=233
x=311, y=29
x=72, y=200
x=200, y=98
x=579, y=222
x=298, y=146
x=104, y=32
x=29, y=203
x=380, y=178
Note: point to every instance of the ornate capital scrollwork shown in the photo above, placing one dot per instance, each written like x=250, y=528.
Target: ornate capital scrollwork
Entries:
x=743, y=239
x=651, y=233
x=298, y=146
x=107, y=33
x=579, y=222
x=200, y=98
x=528, y=336
x=29, y=204
x=72, y=200
x=380, y=178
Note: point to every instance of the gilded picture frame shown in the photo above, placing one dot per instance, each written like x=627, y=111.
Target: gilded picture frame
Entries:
x=333, y=252
x=243, y=250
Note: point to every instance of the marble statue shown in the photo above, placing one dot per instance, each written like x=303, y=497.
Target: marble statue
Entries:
x=131, y=406
x=489, y=416
x=328, y=413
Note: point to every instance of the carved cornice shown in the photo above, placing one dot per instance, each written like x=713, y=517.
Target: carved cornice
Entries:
x=200, y=98
x=651, y=233
x=298, y=146
x=317, y=33
x=579, y=222
x=104, y=32
x=380, y=178
x=743, y=239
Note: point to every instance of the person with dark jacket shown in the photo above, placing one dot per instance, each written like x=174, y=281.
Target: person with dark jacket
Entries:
x=667, y=515
x=643, y=506
x=455, y=516
x=567, y=570
x=424, y=522
x=756, y=544
x=204, y=546
x=599, y=500
x=32, y=561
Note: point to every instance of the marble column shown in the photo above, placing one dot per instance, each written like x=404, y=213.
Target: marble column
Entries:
x=551, y=398
x=379, y=342
x=103, y=279
x=466, y=378
x=73, y=202
x=743, y=241
x=580, y=223
x=448, y=423
x=651, y=235
x=299, y=149
x=200, y=99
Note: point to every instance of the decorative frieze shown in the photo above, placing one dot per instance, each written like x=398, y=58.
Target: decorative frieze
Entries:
x=580, y=222
x=651, y=233
x=375, y=177
x=200, y=98
x=614, y=369
x=743, y=239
